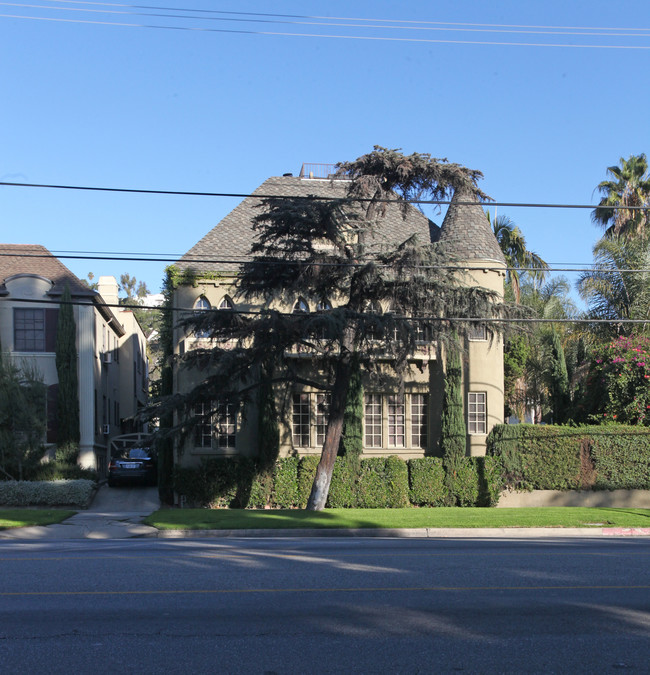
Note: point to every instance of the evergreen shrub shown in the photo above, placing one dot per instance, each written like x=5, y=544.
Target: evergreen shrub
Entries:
x=427, y=481
x=534, y=457
x=397, y=482
x=371, y=487
x=466, y=482
x=285, y=483
x=306, y=473
x=343, y=488
x=46, y=493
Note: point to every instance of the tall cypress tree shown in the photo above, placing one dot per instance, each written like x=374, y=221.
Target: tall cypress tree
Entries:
x=351, y=444
x=66, y=368
x=558, y=380
x=454, y=431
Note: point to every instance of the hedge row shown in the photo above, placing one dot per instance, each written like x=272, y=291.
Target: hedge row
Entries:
x=376, y=482
x=46, y=493
x=607, y=457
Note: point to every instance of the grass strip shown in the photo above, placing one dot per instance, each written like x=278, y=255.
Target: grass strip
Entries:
x=240, y=519
x=29, y=517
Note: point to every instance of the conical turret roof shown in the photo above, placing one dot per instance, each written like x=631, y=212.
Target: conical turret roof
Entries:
x=466, y=233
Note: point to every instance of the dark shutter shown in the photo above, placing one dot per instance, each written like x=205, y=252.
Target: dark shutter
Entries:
x=51, y=321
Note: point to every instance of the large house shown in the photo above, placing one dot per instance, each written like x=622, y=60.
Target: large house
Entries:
x=406, y=425
x=111, y=347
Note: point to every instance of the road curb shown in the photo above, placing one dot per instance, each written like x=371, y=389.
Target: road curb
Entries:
x=422, y=533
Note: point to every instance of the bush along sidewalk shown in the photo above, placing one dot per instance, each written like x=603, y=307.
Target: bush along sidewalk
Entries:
x=602, y=457
x=377, y=482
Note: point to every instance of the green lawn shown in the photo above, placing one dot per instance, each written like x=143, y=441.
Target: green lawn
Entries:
x=236, y=519
x=29, y=517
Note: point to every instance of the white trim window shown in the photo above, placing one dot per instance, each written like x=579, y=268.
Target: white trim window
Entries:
x=300, y=419
x=203, y=428
x=396, y=421
x=372, y=420
x=226, y=425
x=477, y=412
x=419, y=420
x=322, y=416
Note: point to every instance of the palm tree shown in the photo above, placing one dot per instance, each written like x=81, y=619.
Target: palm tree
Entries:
x=629, y=187
x=617, y=287
x=518, y=257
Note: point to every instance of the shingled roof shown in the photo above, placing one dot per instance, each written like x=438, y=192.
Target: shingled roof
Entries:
x=232, y=236
x=37, y=260
x=466, y=232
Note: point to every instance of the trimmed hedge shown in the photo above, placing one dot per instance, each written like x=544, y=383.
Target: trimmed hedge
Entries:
x=427, y=481
x=46, y=493
x=376, y=482
x=535, y=457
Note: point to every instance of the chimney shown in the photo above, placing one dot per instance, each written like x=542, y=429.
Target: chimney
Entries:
x=107, y=287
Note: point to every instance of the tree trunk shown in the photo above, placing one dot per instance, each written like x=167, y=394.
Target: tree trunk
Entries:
x=320, y=488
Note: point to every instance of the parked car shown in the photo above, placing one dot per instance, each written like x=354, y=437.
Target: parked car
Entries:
x=133, y=465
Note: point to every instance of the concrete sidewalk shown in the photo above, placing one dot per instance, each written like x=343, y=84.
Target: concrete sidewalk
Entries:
x=115, y=513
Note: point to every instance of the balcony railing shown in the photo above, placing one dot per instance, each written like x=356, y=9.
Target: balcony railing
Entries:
x=318, y=171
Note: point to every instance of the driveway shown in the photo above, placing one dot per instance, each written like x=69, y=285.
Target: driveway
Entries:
x=125, y=499
x=116, y=513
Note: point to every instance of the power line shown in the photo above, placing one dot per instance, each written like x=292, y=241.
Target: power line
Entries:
x=305, y=20
x=267, y=17
x=241, y=260
x=244, y=195
x=329, y=36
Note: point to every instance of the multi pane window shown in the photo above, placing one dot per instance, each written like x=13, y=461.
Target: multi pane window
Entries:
x=203, y=428
x=226, y=303
x=477, y=413
x=396, y=421
x=419, y=416
x=322, y=415
x=29, y=330
x=226, y=425
x=373, y=420
x=300, y=421
x=477, y=332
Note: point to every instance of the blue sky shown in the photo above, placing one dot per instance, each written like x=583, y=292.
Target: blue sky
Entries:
x=198, y=110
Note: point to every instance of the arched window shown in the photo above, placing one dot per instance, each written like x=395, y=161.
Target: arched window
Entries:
x=202, y=304
x=226, y=303
x=300, y=307
x=323, y=306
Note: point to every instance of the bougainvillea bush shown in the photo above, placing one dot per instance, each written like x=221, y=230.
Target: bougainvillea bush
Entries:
x=618, y=386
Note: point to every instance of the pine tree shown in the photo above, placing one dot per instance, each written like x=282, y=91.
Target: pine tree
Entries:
x=327, y=250
x=66, y=368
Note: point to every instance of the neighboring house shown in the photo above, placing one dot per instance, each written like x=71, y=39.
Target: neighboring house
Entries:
x=408, y=425
x=111, y=348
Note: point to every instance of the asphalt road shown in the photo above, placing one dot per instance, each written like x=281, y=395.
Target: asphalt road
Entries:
x=325, y=606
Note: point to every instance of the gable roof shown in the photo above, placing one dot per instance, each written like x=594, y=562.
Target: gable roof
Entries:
x=466, y=232
x=37, y=260
x=233, y=235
